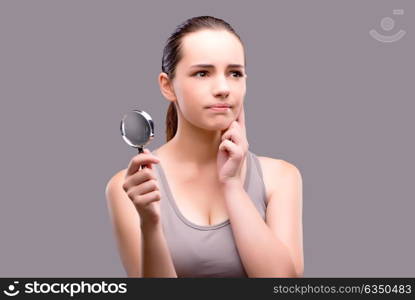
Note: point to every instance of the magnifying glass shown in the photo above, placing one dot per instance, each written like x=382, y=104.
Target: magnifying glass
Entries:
x=137, y=129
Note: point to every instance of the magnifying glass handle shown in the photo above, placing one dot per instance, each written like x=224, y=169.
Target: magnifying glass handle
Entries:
x=140, y=150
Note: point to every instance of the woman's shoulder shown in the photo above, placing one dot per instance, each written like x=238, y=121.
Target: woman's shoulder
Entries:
x=279, y=166
x=274, y=170
x=115, y=182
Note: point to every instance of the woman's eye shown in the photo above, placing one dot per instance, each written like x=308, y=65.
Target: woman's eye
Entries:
x=203, y=72
x=239, y=74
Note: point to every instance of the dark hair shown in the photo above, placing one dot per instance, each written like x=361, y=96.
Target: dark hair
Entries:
x=172, y=55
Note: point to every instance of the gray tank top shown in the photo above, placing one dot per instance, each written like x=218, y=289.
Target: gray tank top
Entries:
x=206, y=251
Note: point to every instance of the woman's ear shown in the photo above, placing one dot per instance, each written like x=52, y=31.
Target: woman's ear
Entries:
x=166, y=87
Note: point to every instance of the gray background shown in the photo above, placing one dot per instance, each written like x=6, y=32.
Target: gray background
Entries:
x=321, y=94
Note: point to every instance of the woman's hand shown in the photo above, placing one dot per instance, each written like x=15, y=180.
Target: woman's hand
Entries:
x=232, y=150
x=142, y=188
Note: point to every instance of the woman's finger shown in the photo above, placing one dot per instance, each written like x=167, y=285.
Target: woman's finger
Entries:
x=228, y=146
x=233, y=135
x=139, y=178
x=140, y=160
x=141, y=201
x=144, y=188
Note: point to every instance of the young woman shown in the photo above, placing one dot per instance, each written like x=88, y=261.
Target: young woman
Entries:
x=206, y=206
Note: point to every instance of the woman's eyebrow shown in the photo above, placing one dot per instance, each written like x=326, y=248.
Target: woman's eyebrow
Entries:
x=212, y=66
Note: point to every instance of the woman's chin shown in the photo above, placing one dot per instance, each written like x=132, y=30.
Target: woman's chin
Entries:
x=219, y=126
x=214, y=125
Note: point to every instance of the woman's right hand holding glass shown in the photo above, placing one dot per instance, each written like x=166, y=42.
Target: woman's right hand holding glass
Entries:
x=141, y=187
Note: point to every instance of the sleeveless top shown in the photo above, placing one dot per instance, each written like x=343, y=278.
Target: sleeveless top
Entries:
x=206, y=251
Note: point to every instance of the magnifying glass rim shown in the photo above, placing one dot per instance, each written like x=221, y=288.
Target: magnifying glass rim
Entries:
x=149, y=121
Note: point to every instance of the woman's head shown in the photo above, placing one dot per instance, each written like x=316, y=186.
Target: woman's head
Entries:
x=189, y=88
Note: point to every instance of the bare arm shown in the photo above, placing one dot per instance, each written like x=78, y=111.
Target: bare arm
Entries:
x=142, y=247
x=157, y=262
x=273, y=248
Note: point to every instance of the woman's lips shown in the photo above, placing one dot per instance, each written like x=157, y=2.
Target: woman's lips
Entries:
x=219, y=109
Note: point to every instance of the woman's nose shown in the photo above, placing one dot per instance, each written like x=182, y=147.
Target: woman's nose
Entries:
x=221, y=86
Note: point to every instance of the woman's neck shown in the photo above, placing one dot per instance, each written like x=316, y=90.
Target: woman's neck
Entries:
x=201, y=150
x=195, y=145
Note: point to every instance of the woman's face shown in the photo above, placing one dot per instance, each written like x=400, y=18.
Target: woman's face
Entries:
x=197, y=87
